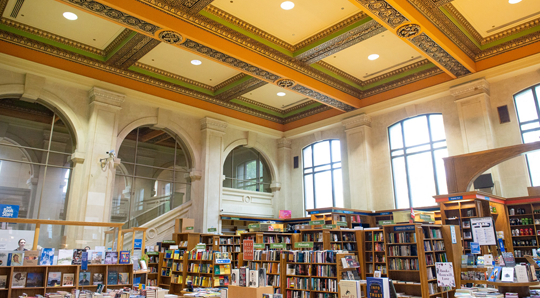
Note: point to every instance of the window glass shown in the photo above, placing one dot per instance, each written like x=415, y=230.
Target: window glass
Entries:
x=416, y=131
x=527, y=114
x=321, y=153
x=244, y=168
x=526, y=108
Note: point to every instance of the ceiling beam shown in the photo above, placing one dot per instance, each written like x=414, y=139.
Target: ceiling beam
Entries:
x=152, y=134
x=132, y=51
x=404, y=20
x=241, y=89
x=168, y=28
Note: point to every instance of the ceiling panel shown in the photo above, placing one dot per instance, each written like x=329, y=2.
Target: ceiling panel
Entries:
x=47, y=15
x=304, y=20
x=393, y=54
x=497, y=15
x=178, y=61
x=267, y=95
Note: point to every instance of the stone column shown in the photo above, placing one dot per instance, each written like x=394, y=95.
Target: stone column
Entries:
x=358, y=131
x=473, y=104
x=207, y=212
x=283, y=193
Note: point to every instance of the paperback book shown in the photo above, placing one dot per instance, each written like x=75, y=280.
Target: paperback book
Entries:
x=235, y=275
x=34, y=280
x=97, y=257
x=253, y=278
x=124, y=257
x=3, y=281
x=5, y=257
x=17, y=259
x=77, y=256
x=47, y=257
x=65, y=257
x=123, y=278
x=97, y=278
x=111, y=257
x=84, y=278
x=18, y=280
x=68, y=279
x=53, y=279
x=31, y=258
x=112, y=278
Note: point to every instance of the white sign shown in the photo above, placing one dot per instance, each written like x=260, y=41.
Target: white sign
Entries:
x=453, y=233
x=445, y=274
x=483, y=231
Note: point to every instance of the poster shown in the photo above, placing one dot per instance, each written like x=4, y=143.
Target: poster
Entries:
x=483, y=231
x=445, y=274
x=248, y=250
x=475, y=248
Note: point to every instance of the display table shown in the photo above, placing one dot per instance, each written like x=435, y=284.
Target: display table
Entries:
x=247, y=292
x=521, y=288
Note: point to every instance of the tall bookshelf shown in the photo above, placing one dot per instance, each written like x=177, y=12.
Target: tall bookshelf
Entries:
x=269, y=238
x=202, y=270
x=524, y=223
x=165, y=269
x=320, y=238
x=273, y=263
x=178, y=271
x=374, y=253
x=153, y=268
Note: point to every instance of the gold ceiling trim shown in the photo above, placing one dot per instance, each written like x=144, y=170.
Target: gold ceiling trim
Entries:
x=259, y=104
x=133, y=50
x=299, y=106
x=404, y=81
x=241, y=89
x=384, y=11
x=52, y=36
x=509, y=46
x=461, y=19
x=3, y=4
x=322, y=98
x=189, y=6
x=437, y=53
x=118, y=40
x=172, y=75
x=440, y=3
x=307, y=113
x=340, y=72
x=228, y=81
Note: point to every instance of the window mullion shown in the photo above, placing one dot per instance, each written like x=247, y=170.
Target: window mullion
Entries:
x=406, y=166
x=313, y=177
x=432, y=156
x=332, y=175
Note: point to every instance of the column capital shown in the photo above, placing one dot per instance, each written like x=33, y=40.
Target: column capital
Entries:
x=195, y=175
x=357, y=121
x=78, y=157
x=275, y=186
x=213, y=124
x=284, y=143
x=469, y=89
x=106, y=97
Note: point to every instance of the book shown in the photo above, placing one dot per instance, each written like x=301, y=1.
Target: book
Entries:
x=97, y=257
x=97, y=278
x=235, y=275
x=5, y=257
x=123, y=278
x=111, y=257
x=262, y=277
x=53, y=279
x=65, y=256
x=495, y=274
x=3, y=281
x=34, y=279
x=350, y=288
x=507, y=274
x=84, y=278
x=68, y=279
x=509, y=259
x=143, y=264
x=253, y=278
x=77, y=256
x=488, y=260
x=112, y=278
x=18, y=280
x=31, y=258
x=521, y=273
x=124, y=257
x=243, y=277
x=47, y=257
x=350, y=262
x=377, y=287
x=17, y=259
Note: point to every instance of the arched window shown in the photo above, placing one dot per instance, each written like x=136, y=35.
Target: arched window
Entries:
x=244, y=168
x=417, y=148
x=153, y=177
x=323, y=183
x=527, y=107
x=36, y=146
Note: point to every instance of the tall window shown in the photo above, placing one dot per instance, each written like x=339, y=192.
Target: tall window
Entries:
x=417, y=148
x=153, y=177
x=323, y=183
x=245, y=169
x=527, y=107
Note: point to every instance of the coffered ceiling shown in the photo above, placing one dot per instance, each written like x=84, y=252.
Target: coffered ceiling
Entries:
x=249, y=51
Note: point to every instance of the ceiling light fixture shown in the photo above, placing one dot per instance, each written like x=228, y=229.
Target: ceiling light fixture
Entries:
x=514, y=1
x=373, y=57
x=70, y=16
x=196, y=62
x=281, y=94
x=287, y=5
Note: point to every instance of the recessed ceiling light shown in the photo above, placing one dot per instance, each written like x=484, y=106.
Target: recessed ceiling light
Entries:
x=373, y=57
x=70, y=16
x=287, y=5
x=514, y=1
x=281, y=94
x=196, y=62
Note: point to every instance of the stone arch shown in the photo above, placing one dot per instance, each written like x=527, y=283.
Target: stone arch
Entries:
x=241, y=142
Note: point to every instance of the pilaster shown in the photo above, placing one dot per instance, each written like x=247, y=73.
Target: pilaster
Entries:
x=283, y=190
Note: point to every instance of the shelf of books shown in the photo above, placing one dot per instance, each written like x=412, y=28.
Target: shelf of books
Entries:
x=524, y=222
x=374, y=255
x=271, y=262
x=342, y=219
x=165, y=269
x=40, y=279
x=153, y=268
x=270, y=239
x=222, y=269
x=186, y=241
x=412, y=250
x=348, y=268
x=344, y=239
x=230, y=244
x=319, y=238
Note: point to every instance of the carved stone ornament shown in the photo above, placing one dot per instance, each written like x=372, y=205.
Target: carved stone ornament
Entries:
x=470, y=88
x=408, y=31
x=285, y=83
x=171, y=37
x=384, y=11
x=106, y=96
x=284, y=143
x=214, y=124
x=195, y=175
x=357, y=121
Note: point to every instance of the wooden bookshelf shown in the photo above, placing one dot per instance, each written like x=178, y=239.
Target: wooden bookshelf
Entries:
x=274, y=264
x=221, y=273
x=373, y=257
x=269, y=238
x=524, y=223
x=319, y=237
x=164, y=270
x=341, y=270
x=153, y=267
x=232, y=245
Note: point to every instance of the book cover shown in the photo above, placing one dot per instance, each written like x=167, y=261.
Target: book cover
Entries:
x=509, y=259
x=243, y=281
x=262, y=277
x=3, y=281
x=124, y=257
x=123, y=278
x=495, y=273
x=77, y=256
x=31, y=258
x=351, y=262
x=112, y=278
x=84, y=278
x=253, y=278
x=53, y=279
x=350, y=289
x=507, y=274
x=235, y=275
x=68, y=279
x=18, y=280
x=488, y=260
x=5, y=256
x=17, y=259
x=97, y=278
x=521, y=273
x=34, y=280
x=65, y=257
x=97, y=257
x=111, y=257
x=377, y=287
x=47, y=256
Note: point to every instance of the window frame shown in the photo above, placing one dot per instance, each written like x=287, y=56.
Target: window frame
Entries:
x=312, y=173
x=536, y=104
x=405, y=155
x=258, y=181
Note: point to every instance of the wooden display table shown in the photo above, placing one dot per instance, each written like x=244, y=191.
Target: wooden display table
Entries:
x=247, y=292
x=521, y=288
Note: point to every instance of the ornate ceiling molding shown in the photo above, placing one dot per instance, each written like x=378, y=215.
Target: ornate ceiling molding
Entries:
x=172, y=76
x=117, y=41
x=404, y=81
x=439, y=3
x=461, y=19
x=341, y=42
x=340, y=72
x=307, y=113
x=322, y=98
x=189, y=6
x=508, y=46
x=259, y=104
x=437, y=53
x=133, y=50
x=228, y=81
x=240, y=89
x=384, y=11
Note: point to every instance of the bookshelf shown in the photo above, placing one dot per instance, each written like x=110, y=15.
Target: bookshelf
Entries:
x=320, y=238
x=153, y=268
x=341, y=270
x=221, y=274
x=177, y=276
x=272, y=261
x=524, y=223
x=232, y=245
x=374, y=253
x=186, y=241
x=199, y=269
x=165, y=269
x=269, y=238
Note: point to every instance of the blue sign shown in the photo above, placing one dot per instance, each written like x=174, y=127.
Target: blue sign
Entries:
x=501, y=245
x=455, y=198
x=84, y=261
x=475, y=248
x=223, y=261
x=137, y=244
x=385, y=213
x=404, y=228
x=10, y=211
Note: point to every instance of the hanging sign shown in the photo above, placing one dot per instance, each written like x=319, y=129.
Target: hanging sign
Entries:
x=137, y=244
x=254, y=226
x=330, y=226
x=342, y=223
